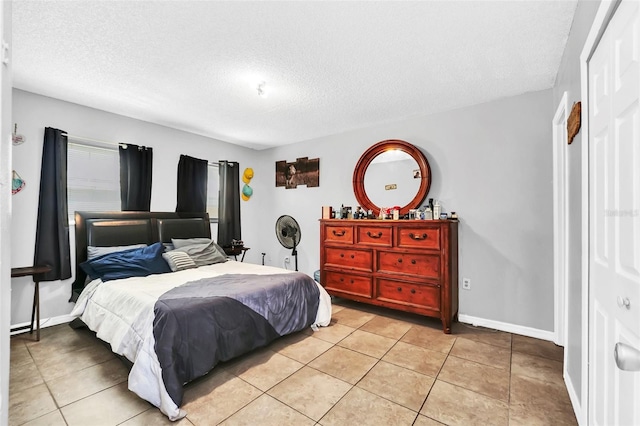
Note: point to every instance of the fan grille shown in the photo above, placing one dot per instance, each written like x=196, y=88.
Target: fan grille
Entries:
x=288, y=231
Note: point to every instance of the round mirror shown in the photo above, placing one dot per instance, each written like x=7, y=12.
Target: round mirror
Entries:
x=391, y=173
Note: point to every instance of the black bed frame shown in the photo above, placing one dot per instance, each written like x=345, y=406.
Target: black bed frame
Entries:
x=105, y=229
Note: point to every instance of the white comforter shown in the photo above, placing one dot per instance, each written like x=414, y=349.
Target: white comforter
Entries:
x=121, y=313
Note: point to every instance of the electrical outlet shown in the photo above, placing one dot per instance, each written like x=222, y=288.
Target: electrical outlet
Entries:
x=287, y=259
x=466, y=283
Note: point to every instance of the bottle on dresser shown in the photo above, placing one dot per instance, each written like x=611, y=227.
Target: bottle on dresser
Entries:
x=428, y=214
x=437, y=209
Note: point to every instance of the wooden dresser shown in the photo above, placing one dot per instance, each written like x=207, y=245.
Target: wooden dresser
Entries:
x=409, y=265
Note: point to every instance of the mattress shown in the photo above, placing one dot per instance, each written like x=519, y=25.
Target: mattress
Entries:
x=121, y=312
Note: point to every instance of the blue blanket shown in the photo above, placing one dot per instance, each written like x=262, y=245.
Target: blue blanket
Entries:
x=203, y=322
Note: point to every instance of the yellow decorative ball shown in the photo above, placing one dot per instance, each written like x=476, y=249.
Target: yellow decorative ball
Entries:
x=244, y=197
x=248, y=173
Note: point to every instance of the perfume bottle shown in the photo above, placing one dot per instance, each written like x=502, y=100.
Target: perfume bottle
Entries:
x=428, y=215
x=437, y=209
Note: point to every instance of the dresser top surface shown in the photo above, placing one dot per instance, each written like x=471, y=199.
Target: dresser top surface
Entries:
x=389, y=221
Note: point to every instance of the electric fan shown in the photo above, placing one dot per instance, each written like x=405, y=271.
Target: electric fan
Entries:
x=288, y=233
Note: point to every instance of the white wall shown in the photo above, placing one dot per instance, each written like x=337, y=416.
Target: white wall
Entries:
x=5, y=212
x=568, y=80
x=33, y=113
x=491, y=163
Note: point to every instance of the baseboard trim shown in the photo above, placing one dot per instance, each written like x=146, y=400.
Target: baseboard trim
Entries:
x=509, y=328
x=573, y=396
x=44, y=323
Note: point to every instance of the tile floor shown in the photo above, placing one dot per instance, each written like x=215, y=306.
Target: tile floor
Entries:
x=371, y=366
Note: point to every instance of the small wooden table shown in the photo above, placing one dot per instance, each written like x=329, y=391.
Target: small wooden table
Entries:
x=33, y=271
x=235, y=251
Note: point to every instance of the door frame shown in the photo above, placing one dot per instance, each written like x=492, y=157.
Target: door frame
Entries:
x=560, y=220
x=6, y=75
x=605, y=11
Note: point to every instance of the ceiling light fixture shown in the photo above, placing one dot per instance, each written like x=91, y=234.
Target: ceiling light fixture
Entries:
x=262, y=91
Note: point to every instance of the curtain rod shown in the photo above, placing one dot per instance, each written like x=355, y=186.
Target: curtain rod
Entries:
x=81, y=138
x=124, y=145
x=214, y=163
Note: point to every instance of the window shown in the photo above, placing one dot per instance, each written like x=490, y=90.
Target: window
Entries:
x=213, y=186
x=93, y=178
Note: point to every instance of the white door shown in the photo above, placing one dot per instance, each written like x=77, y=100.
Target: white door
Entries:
x=614, y=220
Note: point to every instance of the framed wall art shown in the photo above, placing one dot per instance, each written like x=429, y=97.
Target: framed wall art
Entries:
x=303, y=171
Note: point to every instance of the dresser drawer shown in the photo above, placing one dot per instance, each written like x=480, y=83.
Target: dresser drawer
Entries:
x=375, y=235
x=347, y=283
x=419, y=237
x=339, y=233
x=418, y=264
x=417, y=295
x=348, y=258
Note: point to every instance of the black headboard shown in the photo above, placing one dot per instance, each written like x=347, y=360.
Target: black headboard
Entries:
x=105, y=229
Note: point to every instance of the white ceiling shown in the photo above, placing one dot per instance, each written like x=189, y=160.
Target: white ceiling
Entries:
x=330, y=67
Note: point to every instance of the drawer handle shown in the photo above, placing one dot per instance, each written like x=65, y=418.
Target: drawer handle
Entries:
x=341, y=254
x=351, y=281
x=352, y=256
x=413, y=261
x=339, y=234
x=418, y=237
x=399, y=288
x=413, y=291
x=370, y=235
x=400, y=260
x=341, y=280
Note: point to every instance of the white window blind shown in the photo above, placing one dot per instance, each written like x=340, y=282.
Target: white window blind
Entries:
x=213, y=186
x=93, y=178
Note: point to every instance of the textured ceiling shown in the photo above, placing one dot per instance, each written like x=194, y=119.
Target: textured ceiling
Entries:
x=329, y=67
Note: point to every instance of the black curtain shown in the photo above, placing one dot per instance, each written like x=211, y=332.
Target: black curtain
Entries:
x=192, y=184
x=135, y=177
x=52, y=229
x=229, y=203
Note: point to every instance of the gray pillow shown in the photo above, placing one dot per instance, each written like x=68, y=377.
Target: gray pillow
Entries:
x=178, y=260
x=95, y=251
x=178, y=243
x=202, y=253
x=181, y=242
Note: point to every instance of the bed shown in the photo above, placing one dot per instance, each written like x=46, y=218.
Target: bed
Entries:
x=154, y=286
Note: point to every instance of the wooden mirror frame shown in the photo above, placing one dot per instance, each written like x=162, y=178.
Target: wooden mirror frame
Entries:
x=377, y=149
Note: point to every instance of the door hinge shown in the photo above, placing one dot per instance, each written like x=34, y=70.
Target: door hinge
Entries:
x=5, y=52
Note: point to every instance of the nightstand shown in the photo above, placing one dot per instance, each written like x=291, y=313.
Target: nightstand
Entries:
x=235, y=251
x=33, y=271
